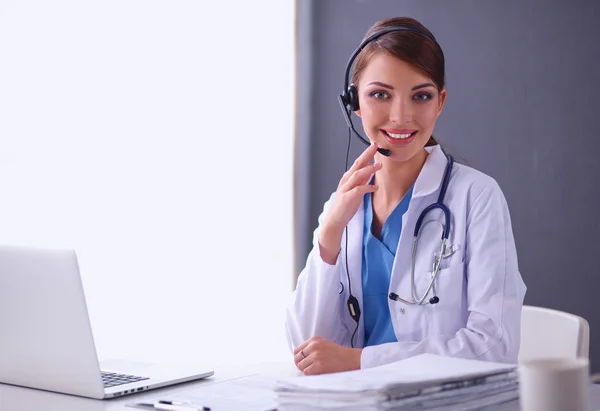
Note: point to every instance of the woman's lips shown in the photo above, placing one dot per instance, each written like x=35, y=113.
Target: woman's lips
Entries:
x=399, y=141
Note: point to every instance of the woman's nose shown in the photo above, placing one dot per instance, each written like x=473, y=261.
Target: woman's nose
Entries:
x=401, y=112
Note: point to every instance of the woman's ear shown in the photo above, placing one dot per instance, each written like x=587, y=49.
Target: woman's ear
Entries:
x=443, y=95
x=357, y=112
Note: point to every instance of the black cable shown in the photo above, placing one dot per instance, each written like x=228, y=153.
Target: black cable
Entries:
x=348, y=149
x=346, y=229
x=353, y=334
x=346, y=248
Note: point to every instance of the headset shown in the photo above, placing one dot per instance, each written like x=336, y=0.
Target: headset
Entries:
x=349, y=102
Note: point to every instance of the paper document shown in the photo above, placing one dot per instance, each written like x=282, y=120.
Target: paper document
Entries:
x=422, y=370
x=423, y=382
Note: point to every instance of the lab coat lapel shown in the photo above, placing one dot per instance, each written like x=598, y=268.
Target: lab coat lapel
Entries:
x=430, y=177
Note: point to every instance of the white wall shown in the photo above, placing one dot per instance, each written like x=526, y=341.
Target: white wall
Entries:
x=156, y=138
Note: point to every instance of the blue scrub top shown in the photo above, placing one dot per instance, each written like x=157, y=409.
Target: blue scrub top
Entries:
x=377, y=261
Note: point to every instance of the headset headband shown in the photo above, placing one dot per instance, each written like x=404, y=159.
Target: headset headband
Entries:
x=375, y=36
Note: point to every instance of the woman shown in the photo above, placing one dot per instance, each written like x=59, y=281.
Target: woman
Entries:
x=346, y=312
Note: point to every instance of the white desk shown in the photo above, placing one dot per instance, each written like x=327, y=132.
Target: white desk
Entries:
x=24, y=399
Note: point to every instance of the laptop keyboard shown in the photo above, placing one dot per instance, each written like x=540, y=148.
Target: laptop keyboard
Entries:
x=112, y=379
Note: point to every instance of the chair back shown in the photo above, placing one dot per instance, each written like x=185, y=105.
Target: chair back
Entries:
x=551, y=333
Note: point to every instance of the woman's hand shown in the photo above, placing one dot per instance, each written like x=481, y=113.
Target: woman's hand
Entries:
x=320, y=356
x=348, y=197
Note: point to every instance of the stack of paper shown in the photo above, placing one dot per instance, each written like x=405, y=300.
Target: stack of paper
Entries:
x=426, y=381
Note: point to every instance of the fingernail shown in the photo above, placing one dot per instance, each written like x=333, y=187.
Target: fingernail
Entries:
x=377, y=165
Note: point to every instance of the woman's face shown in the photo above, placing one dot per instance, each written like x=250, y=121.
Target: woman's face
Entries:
x=398, y=105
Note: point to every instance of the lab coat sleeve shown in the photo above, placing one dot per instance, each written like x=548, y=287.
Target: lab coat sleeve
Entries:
x=315, y=306
x=495, y=293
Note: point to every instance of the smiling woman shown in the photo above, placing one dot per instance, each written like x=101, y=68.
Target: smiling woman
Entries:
x=413, y=54
x=462, y=298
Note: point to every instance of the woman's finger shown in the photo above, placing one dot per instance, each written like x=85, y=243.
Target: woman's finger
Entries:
x=301, y=355
x=306, y=362
x=301, y=347
x=360, y=177
x=311, y=369
x=362, y=190
x=361, y=161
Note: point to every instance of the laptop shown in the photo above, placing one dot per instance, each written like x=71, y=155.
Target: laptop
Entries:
x=46, y=339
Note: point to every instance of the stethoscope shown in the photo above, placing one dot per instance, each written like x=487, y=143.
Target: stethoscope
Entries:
x=438, y=257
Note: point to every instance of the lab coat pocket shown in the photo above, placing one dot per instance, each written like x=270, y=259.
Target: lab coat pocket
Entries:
x=449, y=314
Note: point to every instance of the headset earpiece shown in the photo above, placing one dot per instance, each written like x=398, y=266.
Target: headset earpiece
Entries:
x=352, y=95
x=350, y=98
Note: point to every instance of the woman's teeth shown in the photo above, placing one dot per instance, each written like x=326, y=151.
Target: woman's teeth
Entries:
x=402, y=136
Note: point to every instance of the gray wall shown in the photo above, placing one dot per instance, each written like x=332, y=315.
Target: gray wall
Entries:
x=523, y=80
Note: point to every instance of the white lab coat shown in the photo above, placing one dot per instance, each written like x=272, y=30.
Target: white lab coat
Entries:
x=479, y=286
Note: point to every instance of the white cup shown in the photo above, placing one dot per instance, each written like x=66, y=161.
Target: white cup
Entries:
x=555, y=384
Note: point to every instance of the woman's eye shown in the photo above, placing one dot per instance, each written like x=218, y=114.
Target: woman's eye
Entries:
x=379, y=94
x=422, y=97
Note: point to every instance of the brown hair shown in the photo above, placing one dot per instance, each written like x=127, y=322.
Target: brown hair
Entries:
x=418, y=50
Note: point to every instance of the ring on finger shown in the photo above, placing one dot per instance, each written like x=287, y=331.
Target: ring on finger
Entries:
x=302, y=352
